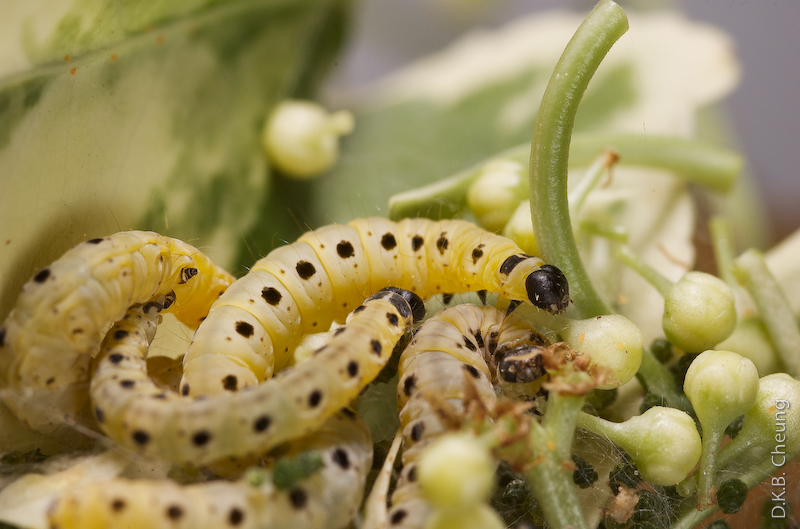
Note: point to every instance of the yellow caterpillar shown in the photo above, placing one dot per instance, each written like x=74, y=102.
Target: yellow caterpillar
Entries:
x=305, y=286
x=47, y=341
x=156, y=423
x=328, y=499
x=465, y=341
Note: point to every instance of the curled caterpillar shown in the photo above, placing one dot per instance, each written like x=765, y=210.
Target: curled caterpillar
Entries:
x=47, y=341
x=462, y=341
x=305, y=286
x=328, y=498
x=139, y=415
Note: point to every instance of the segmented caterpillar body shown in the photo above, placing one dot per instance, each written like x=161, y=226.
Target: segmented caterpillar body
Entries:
x=153, y=422
x=47, y=341
x=305, y=286
x=462, y=341
x=328, y=498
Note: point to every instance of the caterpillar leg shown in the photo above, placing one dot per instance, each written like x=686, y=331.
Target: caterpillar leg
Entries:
x=47, y=341
x=461, y=342
x=131, y=409
x=328, y=498
x=305, y=286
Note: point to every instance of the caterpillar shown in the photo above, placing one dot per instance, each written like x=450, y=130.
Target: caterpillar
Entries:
x=305, y=286
x=48, y=339
x=466, y=341
x=153, y=422
x=327, y=499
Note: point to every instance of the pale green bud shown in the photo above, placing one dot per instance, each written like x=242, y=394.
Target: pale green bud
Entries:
x=775, y=418
x=699, y=312
x=721, y=386
x=612, y=341
x=664, y=444
x=496, y=193
x=520, y=228
x=479, y=516
x=751, y=340
x=302, y=139
x=456, y=472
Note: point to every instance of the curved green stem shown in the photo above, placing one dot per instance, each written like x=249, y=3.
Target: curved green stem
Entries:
x=550, y=149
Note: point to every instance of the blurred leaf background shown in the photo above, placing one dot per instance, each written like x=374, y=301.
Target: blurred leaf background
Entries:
x=118, y=116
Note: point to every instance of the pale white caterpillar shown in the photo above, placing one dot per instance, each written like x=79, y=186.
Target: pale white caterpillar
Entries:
x=153, y=422
x=328, y=499
x=479, y=343
x=48, y=339
x=305, y=286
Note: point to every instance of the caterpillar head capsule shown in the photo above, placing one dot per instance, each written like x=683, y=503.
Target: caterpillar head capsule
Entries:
x=413, y=301
x=522, y=364
x=548, y=289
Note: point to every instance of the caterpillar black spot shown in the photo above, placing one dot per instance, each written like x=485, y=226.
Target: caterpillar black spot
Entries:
x=465, y=341
x=141, y=416
x=327, y=499
x=305, y=286
x=55, y=328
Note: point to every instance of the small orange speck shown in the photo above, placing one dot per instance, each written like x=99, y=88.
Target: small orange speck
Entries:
x=160, y=39
x=621, y=345
x=148, y=28
x=72, y=72
x=8, y=241
x=772, y=409
x=113, y=56
x=622, y=299
x=66, y=57
x=551, y=445
x=582, y=338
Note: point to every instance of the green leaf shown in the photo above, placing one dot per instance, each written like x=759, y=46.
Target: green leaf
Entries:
x=153, y=123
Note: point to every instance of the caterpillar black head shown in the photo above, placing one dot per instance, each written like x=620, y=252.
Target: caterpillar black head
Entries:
x=548, y=289
x=522, y=364
x=414, y=302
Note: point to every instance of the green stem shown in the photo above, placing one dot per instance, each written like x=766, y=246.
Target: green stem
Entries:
x=706, y=474
x=658, y=380
x=775, y=311
x=689, y=159
x=577, y=198
x=650, y=274
x=723, y=249
x=448, y=197
x=550, y=479
x=692, y=161
x=550, y=149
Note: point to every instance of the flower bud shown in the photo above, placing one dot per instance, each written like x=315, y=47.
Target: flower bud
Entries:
x=302, y=139
x=456, y=472
x=776, y=413
x=479, y=516
x=721, y=386
x=612, y=341
x=751, y=340
x=520, y=228
x=663, y=442
x=496, y=193
x=699, y=312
